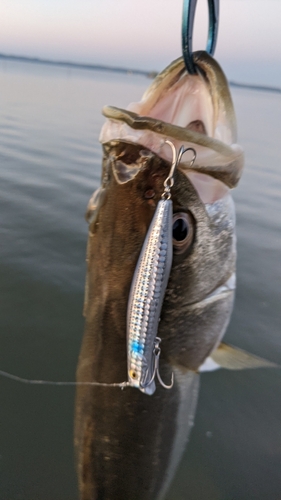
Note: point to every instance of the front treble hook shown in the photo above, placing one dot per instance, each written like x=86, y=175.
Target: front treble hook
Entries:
x=189, y=7
x=176, y=158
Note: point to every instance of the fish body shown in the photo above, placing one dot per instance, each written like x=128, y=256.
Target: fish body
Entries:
x=128, y=444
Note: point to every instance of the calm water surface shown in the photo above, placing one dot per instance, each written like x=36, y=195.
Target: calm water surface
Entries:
x=50, y=160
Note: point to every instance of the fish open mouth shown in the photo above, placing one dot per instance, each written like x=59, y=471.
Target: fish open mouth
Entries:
x=190, y=110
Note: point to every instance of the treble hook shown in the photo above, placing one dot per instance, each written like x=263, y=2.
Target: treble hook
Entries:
x=156, y=354
x=182, y=151
x=188, y=14
x=169, y=181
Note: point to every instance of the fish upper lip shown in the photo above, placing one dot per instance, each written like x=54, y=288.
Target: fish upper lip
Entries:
x=158, y=126
x=229, y=159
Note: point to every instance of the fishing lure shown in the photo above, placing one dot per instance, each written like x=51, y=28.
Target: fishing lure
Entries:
x=148, y=289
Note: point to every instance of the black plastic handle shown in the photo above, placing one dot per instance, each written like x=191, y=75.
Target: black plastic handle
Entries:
x=188, y=15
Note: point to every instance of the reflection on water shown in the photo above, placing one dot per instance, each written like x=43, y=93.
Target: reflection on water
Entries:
x=50, y=164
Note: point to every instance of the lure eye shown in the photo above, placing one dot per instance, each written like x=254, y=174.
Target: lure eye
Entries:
x=183, y=232
x=133, y=374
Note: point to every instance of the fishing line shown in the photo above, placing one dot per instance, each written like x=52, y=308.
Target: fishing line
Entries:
x=52, y=382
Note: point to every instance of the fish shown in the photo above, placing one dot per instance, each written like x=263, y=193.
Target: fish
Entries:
x=128, y=439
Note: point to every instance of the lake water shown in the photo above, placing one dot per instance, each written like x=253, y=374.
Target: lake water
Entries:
x=50, y=161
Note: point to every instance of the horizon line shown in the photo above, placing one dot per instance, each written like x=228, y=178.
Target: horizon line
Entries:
x=117, y=69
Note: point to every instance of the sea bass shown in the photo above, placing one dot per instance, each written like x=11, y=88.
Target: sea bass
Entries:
x=129, y=442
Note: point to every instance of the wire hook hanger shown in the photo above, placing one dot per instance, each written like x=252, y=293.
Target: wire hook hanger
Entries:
x=188, y=14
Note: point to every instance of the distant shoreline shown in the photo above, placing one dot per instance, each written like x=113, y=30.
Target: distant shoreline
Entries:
x=67, y=64
x=100, y=67
x=255, y=87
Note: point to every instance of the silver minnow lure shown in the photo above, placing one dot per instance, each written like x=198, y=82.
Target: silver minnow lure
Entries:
x=147, y=292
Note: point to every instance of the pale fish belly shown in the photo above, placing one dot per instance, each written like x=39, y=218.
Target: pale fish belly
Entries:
x=188, y=384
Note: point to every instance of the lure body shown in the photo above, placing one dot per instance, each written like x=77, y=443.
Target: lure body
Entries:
x=146, y=298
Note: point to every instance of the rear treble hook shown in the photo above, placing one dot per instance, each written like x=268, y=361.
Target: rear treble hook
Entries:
x=188, y=14
x=156, y=355
x=157, y=352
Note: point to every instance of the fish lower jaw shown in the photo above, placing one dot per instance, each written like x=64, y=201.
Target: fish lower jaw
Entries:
x=227, y=287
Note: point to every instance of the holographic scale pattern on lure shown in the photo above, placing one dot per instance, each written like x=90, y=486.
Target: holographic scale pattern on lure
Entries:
x=147, y=294
x=148, y=289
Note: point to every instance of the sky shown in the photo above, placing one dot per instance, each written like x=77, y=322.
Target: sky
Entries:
x=144, y=34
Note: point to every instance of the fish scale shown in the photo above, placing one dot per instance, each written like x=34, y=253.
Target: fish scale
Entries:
x=146, y=297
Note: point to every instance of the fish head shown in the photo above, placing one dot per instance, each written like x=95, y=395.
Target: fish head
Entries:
x=203, y=239
x=136, y=162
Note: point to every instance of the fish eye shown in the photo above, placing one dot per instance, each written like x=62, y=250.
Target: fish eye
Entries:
x=183, y=232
